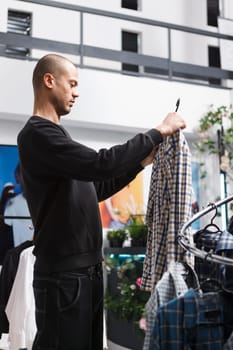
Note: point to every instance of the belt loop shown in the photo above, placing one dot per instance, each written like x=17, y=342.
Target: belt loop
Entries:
x=91, y=271
x=99, y=270
x=95, y=270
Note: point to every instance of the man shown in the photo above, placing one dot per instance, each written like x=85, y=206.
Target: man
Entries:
x=63, y=181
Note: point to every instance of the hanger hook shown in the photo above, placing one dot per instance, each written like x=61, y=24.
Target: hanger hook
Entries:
x=216, y=212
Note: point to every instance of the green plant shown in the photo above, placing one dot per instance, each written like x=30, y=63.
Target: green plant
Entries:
x=215, y=136
x=137, y=228
x=138, y=231
x=128, y=300
x=119, y=234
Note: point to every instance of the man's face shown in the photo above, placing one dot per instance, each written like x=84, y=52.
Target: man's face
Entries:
x=65, y=89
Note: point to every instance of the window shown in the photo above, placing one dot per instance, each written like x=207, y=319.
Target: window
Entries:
x=18, y=23
x=212, y=12
x=214, y=61
x=129, y=43
x=129, y=4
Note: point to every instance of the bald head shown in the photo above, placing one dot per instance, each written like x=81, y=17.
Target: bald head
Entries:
x=55, y=83
x=50, y=63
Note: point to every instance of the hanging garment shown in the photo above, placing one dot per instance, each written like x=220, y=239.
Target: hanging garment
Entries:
x=20, y=309
x=193, y=321
x=175, y=282
x=169, y=207
x=7, y=276
x=221, y=243
x=6, y=240
x=229, y=343
x=228, y=318
x=22, y=228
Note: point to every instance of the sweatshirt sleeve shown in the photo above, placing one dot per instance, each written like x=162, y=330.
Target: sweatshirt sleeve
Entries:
x=58, y=155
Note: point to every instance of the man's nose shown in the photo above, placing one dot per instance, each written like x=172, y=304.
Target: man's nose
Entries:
x=76, y=93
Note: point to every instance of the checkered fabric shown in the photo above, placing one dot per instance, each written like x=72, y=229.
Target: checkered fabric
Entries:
x=192, y=321
x=172, y=284
x=169, y=207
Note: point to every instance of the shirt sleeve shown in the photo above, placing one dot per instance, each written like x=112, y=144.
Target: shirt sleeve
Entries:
x=59, y=154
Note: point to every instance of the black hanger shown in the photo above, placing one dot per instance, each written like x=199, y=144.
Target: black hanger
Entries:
x=207, y=229
x=212, y=224
x=213, y=285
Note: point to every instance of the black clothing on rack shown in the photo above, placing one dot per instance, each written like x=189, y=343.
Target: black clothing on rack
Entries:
x=6, y=240
x=221, y=243
x=7, y=276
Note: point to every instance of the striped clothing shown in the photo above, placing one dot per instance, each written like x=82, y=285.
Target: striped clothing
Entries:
x=169, y=207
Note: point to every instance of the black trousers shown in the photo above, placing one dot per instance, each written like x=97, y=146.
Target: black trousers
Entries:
x=69, y=310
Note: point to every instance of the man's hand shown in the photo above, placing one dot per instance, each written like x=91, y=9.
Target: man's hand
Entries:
x=149, y=159
x=171, y=123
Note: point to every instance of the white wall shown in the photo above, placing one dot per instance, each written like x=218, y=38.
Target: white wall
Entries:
x=140, y=102
x=226, y=8
x=118, y=100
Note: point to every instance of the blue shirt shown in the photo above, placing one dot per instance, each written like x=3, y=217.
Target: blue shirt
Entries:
x=192, y=321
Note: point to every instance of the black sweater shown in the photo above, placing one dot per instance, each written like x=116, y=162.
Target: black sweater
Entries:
x=63, y=182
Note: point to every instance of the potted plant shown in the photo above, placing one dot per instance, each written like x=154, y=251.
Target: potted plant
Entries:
x=125, y=301
x=215, y=136
x=116, y=237
x=137, y=231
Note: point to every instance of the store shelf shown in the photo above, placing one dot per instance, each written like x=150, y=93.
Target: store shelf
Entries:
x=125, y=250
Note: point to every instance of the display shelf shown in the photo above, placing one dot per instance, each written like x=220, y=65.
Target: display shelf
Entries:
x=125, y=250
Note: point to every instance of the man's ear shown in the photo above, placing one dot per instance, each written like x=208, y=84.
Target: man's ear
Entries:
x=48, y=80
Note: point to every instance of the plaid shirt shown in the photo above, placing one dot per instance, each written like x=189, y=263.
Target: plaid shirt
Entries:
x=169, y=207
x=193, y=321
x=221, y=243
x=172, y=284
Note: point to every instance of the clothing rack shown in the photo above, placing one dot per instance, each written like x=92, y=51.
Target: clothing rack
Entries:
x=184, y=242
x=14, y=217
